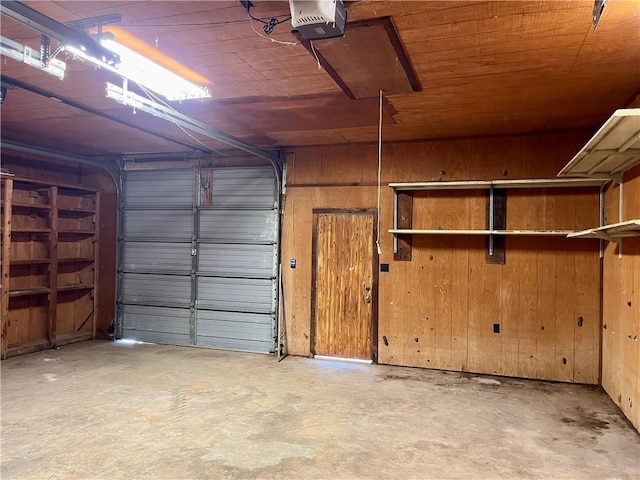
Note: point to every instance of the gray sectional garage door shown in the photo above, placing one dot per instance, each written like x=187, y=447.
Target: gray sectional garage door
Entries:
x=198, y=260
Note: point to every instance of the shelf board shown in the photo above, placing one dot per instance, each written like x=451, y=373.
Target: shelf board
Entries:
x=80, y=286
x=30, y=230
x=614, y=149
x=77, y=232
x=613, y=232
x=24, y=292
x=540, y=233
x=487, y=184
x=76, y=260
x=30, y=261
x=88, y=211
x=35, y=206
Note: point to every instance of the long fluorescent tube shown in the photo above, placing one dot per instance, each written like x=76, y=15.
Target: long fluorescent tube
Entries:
x=143, y=71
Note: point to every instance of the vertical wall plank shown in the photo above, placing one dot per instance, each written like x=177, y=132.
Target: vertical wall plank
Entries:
x=96, y=265
x=6, y=260
x=621, y=305
x=53, y=268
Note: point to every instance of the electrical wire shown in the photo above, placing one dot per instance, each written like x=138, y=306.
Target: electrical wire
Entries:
x=269, y=38
x=157, y=99
x=270, y=24
x=315, y=54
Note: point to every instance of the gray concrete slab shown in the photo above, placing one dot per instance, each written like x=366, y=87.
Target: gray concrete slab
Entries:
x=100, y=410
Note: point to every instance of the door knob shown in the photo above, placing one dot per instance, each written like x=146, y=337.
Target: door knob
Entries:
x=367, y=298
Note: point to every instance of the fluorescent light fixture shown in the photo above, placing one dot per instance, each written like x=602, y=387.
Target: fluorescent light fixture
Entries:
x=143, y=71
x=139, y=69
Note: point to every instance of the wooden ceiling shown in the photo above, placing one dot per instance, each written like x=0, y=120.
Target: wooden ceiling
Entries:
x=486, y=68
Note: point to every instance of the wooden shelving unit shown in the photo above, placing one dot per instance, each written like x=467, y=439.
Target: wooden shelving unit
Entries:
x=49, y=270
x=488, y=184
x=496, y=228
x=540, y=233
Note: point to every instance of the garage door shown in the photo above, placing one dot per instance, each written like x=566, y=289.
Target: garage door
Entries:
x=199, y=258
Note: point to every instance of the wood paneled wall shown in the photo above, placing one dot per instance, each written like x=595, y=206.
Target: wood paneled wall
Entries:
x=621, y=304
x=73, y=174
x=438, y=310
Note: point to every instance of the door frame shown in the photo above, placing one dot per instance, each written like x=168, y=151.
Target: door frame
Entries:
x=373, y=332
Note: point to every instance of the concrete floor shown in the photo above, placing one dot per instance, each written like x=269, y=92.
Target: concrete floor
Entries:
x=104, y=410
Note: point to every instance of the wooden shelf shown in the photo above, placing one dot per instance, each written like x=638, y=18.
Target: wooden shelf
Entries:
x=613, y=232
x=34, y=206
x=25, y=292
x=81, y=211
x=540, y=233
x=77, y=232
x=487, y=184
x=76, y=260
x=31, y=261
x=70, y=288
x=30, y=230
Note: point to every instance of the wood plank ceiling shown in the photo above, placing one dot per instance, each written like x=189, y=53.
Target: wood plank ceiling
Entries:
x=486, y=68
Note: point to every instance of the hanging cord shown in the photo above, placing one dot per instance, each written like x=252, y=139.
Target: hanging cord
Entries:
x=379, y=174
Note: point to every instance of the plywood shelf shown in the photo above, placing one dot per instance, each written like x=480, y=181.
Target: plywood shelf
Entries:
x=540, y=233
x=76, y=232
x=76, y=211
x=34, y=206
x=25, y=292
x=613, y=232
x=80, y=286
x=76, y=260
x=488, y=184
x=31, y=261
x=30, y=230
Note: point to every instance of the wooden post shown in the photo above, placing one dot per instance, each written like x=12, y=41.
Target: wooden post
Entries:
x=96, y=263
x=53, y=268
x=6, y=259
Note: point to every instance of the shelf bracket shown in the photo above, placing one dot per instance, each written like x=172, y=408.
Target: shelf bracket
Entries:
x=403, y=220
x=496, y=220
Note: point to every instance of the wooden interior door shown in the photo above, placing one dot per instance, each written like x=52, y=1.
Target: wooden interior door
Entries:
x=344, y=284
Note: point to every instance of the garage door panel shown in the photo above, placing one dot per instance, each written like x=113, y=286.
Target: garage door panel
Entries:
x=147, y=289
x=157, y=324
x=237, y=331
x=156, y=257
x=238, y=226
x=159, y=188
x=252, y=187
x=173, y=225
x=225, y=260
x=235, y=294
